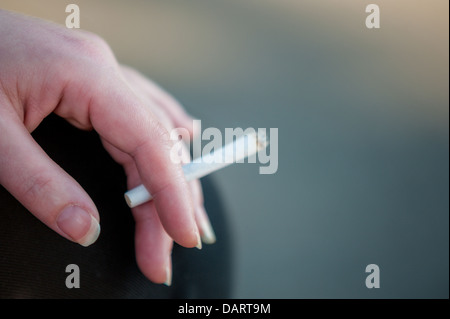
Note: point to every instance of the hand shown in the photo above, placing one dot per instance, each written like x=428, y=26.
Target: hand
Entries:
x=46, y=68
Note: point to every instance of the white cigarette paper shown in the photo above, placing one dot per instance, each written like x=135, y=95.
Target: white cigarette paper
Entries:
x=236, y=151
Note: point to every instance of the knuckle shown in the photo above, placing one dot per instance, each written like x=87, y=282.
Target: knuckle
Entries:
x=96, y=48
x=90, y=46
x=37, y=187
x=162, y=132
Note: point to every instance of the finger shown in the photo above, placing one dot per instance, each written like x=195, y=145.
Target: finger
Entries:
x=169, y=104
x=140, y=135
x=153, y=245
x=206, y=230
x=201, y=217
x=42, y=186
x=174, y=109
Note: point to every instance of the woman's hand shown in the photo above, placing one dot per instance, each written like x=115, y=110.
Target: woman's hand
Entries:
x=46, y=68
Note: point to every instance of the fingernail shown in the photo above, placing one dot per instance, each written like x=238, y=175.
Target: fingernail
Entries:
x=208, y=235
x=79, y=225
x=207, y=232
x=168, y=281
x=199, y=240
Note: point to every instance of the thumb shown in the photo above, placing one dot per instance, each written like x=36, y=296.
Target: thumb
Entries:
x=42, y=186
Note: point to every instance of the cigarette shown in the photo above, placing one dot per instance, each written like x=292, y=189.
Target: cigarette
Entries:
x=237, y=151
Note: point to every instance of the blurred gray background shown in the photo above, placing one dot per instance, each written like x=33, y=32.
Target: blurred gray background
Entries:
x=362, y=114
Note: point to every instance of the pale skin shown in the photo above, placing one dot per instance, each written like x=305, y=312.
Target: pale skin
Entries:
x=46, y=68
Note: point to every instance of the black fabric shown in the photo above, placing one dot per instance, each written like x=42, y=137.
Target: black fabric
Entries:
x=33, y=258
